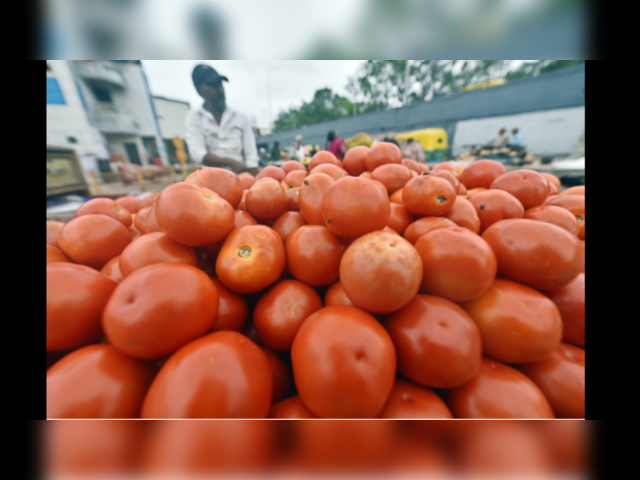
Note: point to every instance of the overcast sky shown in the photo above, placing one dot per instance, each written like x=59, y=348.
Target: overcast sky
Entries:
x=291, y=82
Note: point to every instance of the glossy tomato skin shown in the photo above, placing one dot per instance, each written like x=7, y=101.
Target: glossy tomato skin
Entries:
x=55, y=255
x=159, y=308
x=151, y=221
x=295, y=178
x=149, y=200
x=427, y=196
x=437, y=343
x=528, y=186
x=498, y=391
x=380, y=272
x=232, y=309
x=131, y=204
x=495, y=205
x=293, y=200
x=482, y=173
x=97, y=381
x=281, y=311
x=552, y=179
x=246, y=179
x=554, y=215
x=112, y=269
x=336, y=295
x=266, y=199
x=577, y=190
x=314, y=254
x=561, y=377
x=292, y=166
x=251, y=259
x=333, y=171
x=411, y=165
x=193, y=216
x=457, y=264
x=242, y=219
x=105, y=206
x=423, y=225
x=76, y=296
x=399, y=219
x=223, y=182
x=310, y=198
x=396, y=197
x=517, y=323
x=140, y=218
x=93, y=240
x=411, y=401
x=570, y=301
x=392, y=176
x=464, y=214
x=538, y=254
x=271, y=171
x=381, y=154
x=353, y=206
x=574, y=204
x=447, y=175
x=291, y=407
x=279, y=373
x=154, y=248
x=188, y=387
x=344, y=363
x=321, y=157
x=354, y=160
x=53, y=228
x=287, y=223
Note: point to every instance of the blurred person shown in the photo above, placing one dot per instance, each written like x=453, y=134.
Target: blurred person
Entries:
x=503, y=138
x=218, y=136
x=263, y=157
x=315, y=149
x=297, y=151
x=336, y=145
x=414, y=151
x=275, y=152
x=516, y=140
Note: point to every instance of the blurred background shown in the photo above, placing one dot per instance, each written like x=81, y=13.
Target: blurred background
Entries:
x=315, y=29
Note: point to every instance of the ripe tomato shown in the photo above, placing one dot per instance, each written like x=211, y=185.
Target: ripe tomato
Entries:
x=251, y=259
x=482, y=173
x=399, y=219
x=444, y=166
x=293, y=196
x=76, y=296
x=552, y=179
x=246, y=179
x=140, y=218
x=292, y=407
x=381, y=154
x=392, y=176
x=423, y=167
x=448, y=176
x=457, y=172
x=52, y=232
x=354, y=160
x=396, y=197
x=323, y=157
x=560, y=376
x=159, y=308
x=528, y=186
x=271, y=171
x=154, y=248
x=344, y=363
x=223, y=182
x=266, y=199
x=380, y=272
x=105, y=206
x=495, y=205
x=570, y=301
x=295, y=178
x=579, y=190
x=353, y=206
x=189, y=386
x=242, y=219
x=461, y=190
x=568, y=443
x=411, y=165
x=97, y=381
x=333, y=171
x=112, y=269
x=573, y=203
x=287, y=223
x=193, y=216
x=292, y=166
x=538, y=254
x=471, y=191
x=55, y=255
x=437, y=343
x=151, y=222
x=517, y=324
x=313, y=255
x=411, y=401
x=365, y=175
x=553, y=190
x=310, y=198
x=281, y=311
x=554, y=215
x=457, y=264
x=498, y=391
x=335, y=295
x=241, y=205
x=279, y=373
x=232, y=309
x=149, y=200
x=464, y=214
x=423, y=225
x=428, y=196
x=93, y=240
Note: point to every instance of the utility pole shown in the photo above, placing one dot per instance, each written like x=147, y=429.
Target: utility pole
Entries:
x=406, y=83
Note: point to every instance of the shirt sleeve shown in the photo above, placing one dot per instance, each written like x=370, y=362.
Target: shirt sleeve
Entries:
x=194, y=135
x=249, y=146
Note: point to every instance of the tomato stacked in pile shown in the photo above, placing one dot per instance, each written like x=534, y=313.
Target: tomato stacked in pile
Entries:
x=366, y=288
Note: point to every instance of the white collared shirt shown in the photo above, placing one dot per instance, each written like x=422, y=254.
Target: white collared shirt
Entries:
x=233, y=138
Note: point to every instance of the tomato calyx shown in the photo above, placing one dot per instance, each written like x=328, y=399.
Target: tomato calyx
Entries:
x=245, y=251
x=441, y=199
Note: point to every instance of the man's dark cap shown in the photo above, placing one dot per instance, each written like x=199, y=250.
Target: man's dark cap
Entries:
x=206, y=74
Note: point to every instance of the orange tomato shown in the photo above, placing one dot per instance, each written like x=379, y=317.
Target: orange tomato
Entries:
x=241, y=205
x=464, y=214
x=279, y=373
x=323, y=157
x=411, y=401
x=287, y=223
x=333, y=171
x=396, y=197
x=335, y=295
x=554, y=215
x=271, y=171
x=223, y=182
x=428, y=196
x=579, y=190
x=365, y=175
x=154, y=248
x=131, y=204
x=528, y=186
x=354, y=160
x=423, y=225
x=292, y=166
x=112, y=269
x=392, y=176
x=105, y=206
x=444, y=166
x=573, y=203
x=242, y=219
x=570, y=301
x=232, y=309
x=411, y=165
x=149, y=200
x=458, y=171
x=293, y=199
x=53, y=228
x=381, y=154
x=482, y=173
x=471, y=191
x=55, y=255
x=266, y=199
x=246, y=179
x=310, y=197
x=399, y=219
x=295, y=178
x=292, y=407
x=552, y=179
x=447, y=175
x=495, y=205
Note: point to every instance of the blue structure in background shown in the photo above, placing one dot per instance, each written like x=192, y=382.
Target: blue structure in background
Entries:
x=54, y=94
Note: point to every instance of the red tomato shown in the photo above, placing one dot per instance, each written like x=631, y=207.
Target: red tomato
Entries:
x=365, y=175
x=568, y=444
x=292, y=166
x=411, y=401
x=241, y=205
x=52, y=232
x=93, y=240
x=242, y=219
x=528, y=186
x=353, y=206
x=560, y=377
x=251, y=259
x=448, y=176
x=464, y=214
x=112, y=269
x=55, y=255
x=552, y=179
x=574, y=204
x=495, y=205
x=193, y=216
x=287, y=223
x=380, y=272
x=411, y=165
x=335, y=295
x=538, y=254
x=323, y=157
x=428, y=196
x=223, y=182
x=97, y=381
x=189, y=386
x=313, y=255
x=246, y=179
x=310, y=199
x=437, y=343
x=149, y=200
x=266, y=200
x=232, y=309
x=381, y=154
x=154, y=248
x=354, y=160
x=151, y=222
x=461, y=190
x=280, y=375
x=392, y=176
x=399, y=219
x=554, y=215
x=471, y=191
x=293, y=196
x=159, y=308
x=333, y=171
x=295, y=178
x=570, y=301
x=579, y=190
x=76, y=296
x=444, y=166
x=517, y=324
x=423, y=225
x=281, y=311
x=292, y=407
x=344, y=363
x=498, y=391
x=105, y=206
x=482, y=173
x=271, y=171
x=140, y=218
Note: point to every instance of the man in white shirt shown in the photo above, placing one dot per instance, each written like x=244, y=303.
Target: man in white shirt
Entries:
x=216, y=135
x=297, y=151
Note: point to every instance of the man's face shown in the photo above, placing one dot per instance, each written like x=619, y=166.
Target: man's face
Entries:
x=213, y=94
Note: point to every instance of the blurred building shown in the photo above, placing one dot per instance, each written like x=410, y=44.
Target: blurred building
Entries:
x=171, y=114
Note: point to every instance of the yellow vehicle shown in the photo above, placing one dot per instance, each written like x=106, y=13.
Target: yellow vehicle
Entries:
x=433, y=140
x=489, y=83
x=359, y=139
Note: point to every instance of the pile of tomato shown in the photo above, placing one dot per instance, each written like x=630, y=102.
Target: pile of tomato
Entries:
x=368, y=288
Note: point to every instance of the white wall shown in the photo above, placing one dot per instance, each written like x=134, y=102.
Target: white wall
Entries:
x=549, y=132
x=171, y=117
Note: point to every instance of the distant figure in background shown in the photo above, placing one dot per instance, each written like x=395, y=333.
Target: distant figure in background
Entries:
x=414, y=151
x=275, y=152
x=297, y=151
x=263, y=157
x=517, y=140
x=503, y=138
x=315, y=149
x=336, y=145
x=391, y=140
